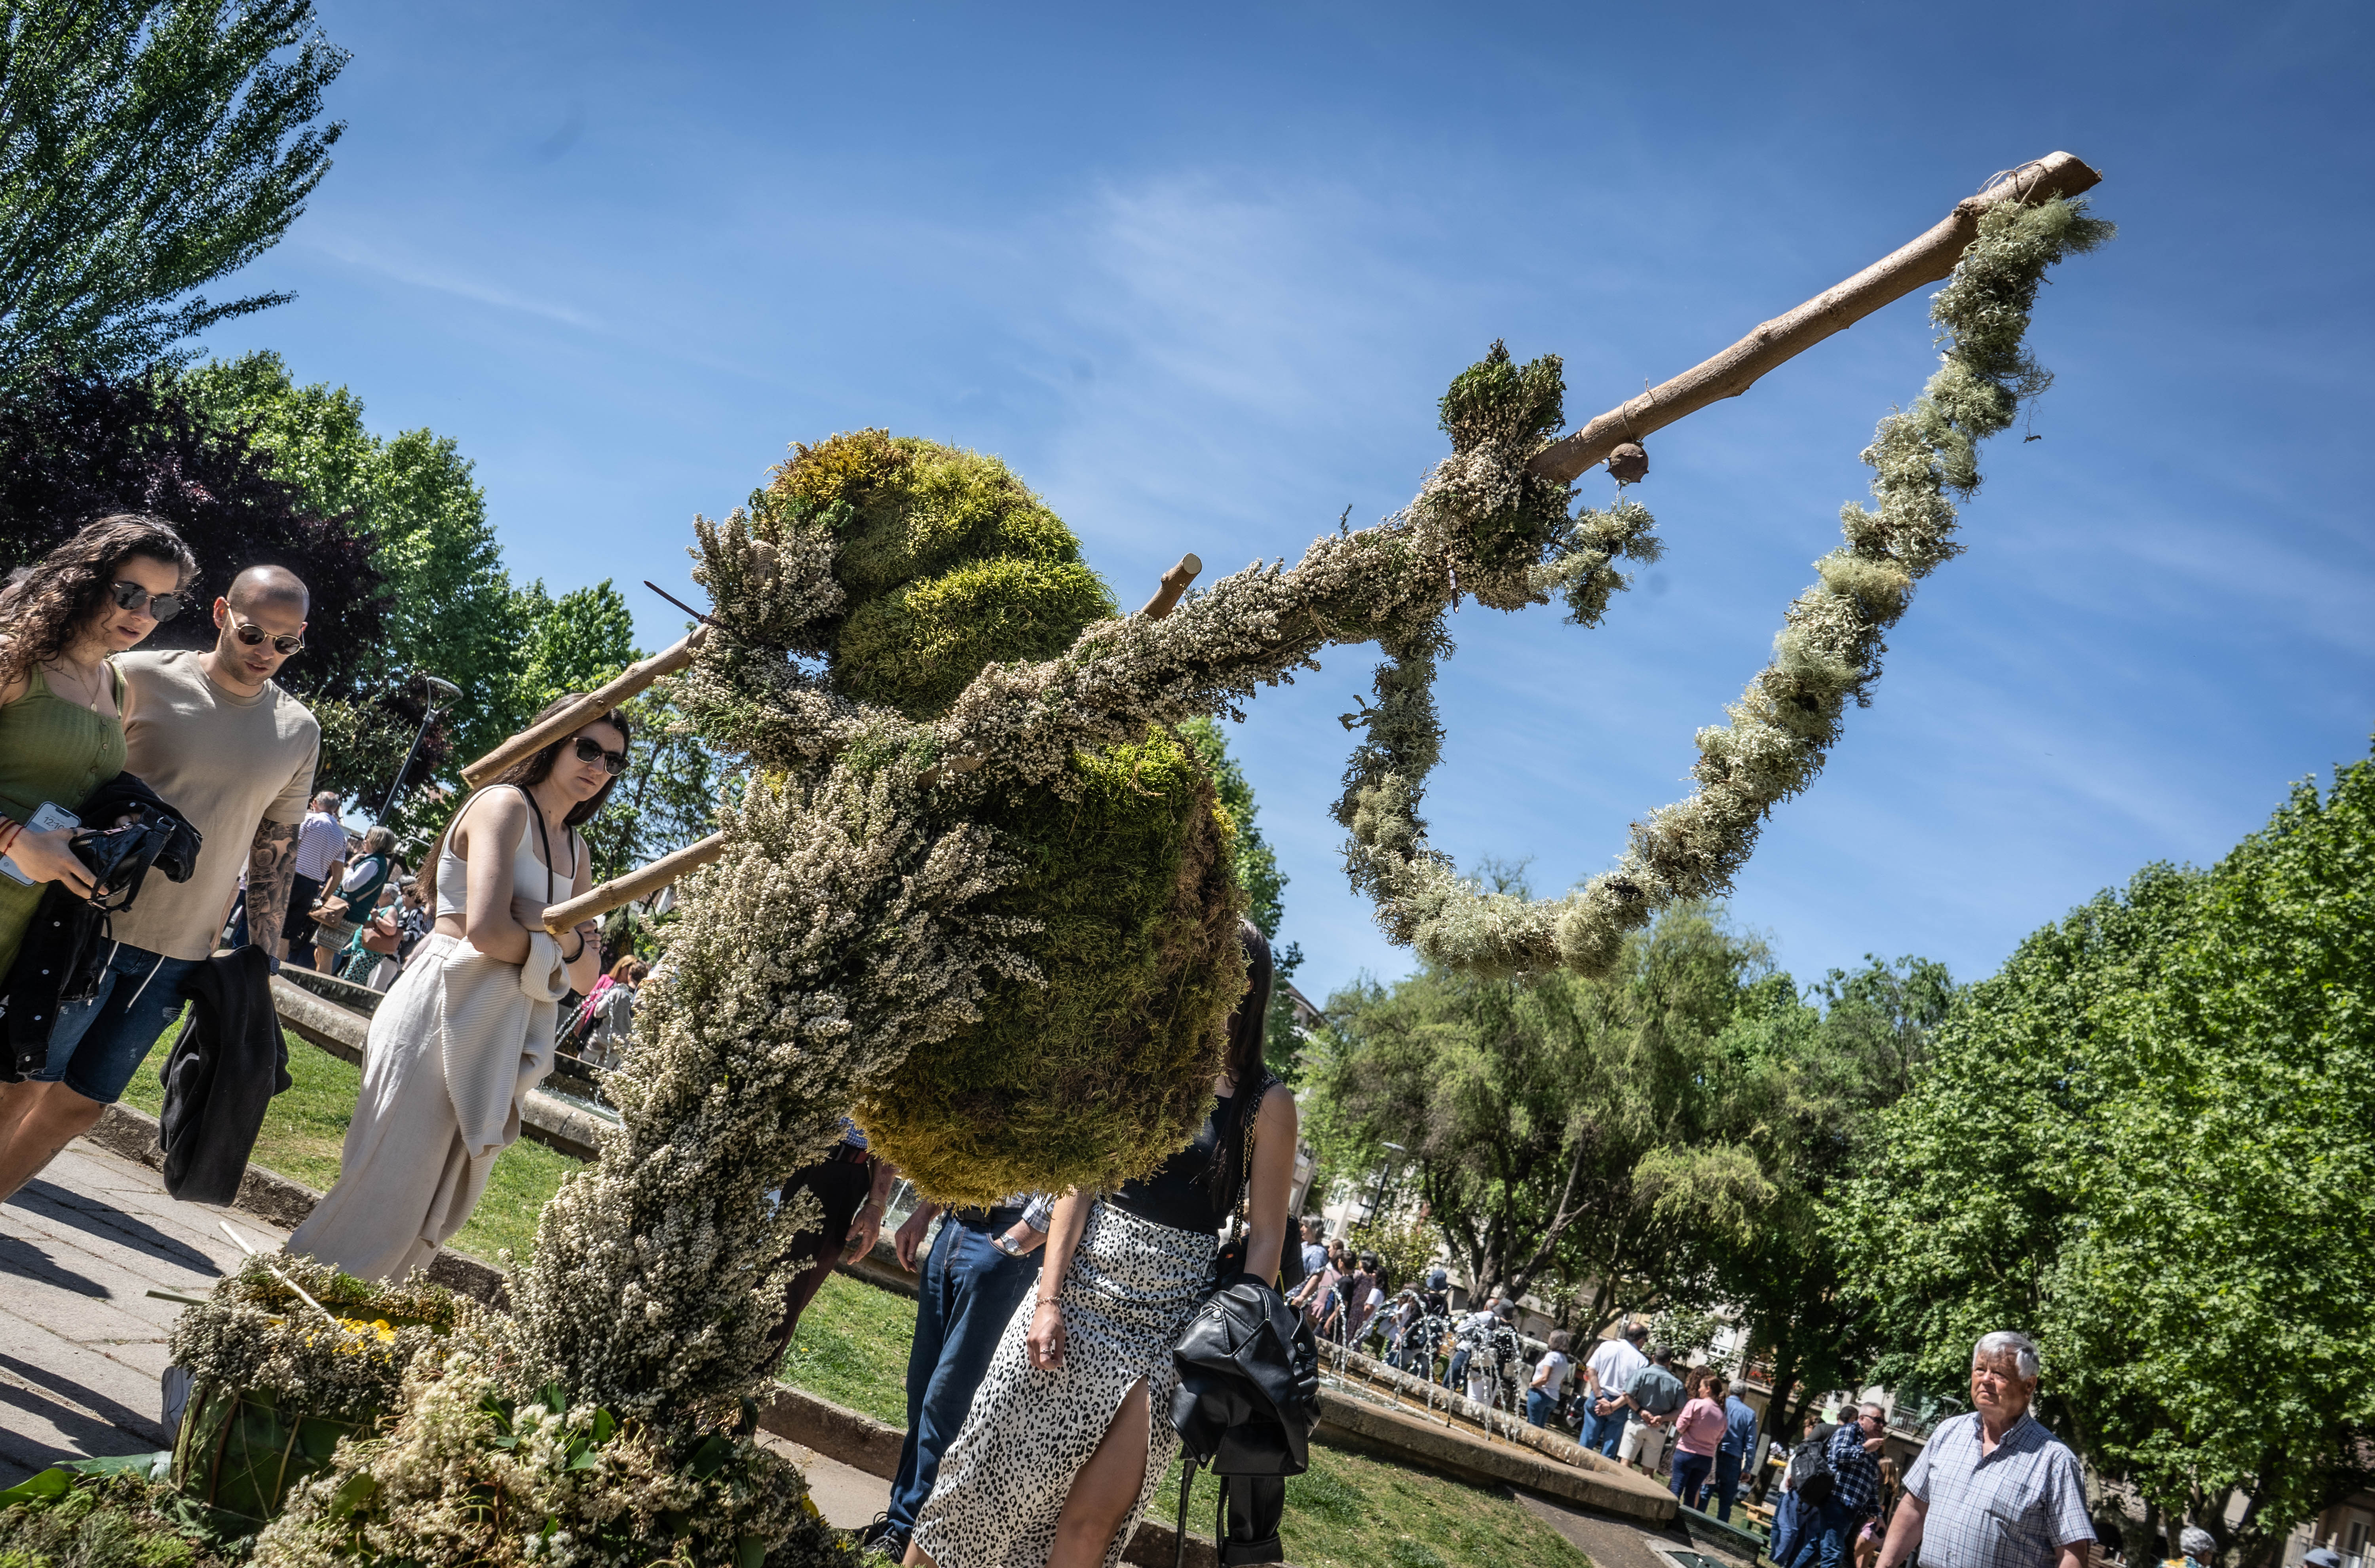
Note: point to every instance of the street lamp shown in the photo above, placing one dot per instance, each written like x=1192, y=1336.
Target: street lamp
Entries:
x=1384, y=1180
x=437, y=689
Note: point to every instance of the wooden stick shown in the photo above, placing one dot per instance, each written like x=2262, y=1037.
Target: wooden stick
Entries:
x=606, y=896
x=584, y=710
x=1174, y=582
x=1734, y=370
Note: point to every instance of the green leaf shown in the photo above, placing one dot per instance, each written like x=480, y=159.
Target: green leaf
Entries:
x=750, y=1551
x=46, y=1487
x=710, y=1457
x=352, y=1494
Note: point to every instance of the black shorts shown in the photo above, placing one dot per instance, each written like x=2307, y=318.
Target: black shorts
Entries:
x=841, y=1185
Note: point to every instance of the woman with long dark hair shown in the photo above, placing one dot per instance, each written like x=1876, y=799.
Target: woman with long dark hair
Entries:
x=61, y=713
x=1070, y=1430
x=468, y=1029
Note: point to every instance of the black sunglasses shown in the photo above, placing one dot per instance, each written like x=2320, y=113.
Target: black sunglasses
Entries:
x=138, y=599
x=590, y=750
x=250, y=633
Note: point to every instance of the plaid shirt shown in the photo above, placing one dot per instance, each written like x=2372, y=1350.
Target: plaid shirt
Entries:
x=1855, y=1483
x=2017, y=1507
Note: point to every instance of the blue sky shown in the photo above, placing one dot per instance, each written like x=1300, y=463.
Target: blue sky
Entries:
x=1200, y=277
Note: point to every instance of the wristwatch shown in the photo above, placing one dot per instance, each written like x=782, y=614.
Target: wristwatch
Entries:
x=1006, y=1244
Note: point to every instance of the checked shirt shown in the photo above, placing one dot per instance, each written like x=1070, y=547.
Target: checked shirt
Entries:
x=1855, y=1477
x=2014, y=1508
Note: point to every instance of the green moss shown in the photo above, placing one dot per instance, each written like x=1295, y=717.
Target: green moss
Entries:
x=1098, y=1073
x=948, y=560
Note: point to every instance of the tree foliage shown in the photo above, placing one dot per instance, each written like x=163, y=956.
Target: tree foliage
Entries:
x=74, y=448
x=2145, y=1141
x=453, y=611
x=151, y=146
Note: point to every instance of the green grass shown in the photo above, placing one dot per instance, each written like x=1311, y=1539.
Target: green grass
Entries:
x=1348, y=1511
x=306, y=1127
x=851, y=1348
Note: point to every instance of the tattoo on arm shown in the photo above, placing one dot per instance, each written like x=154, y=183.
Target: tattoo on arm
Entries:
x=271, y=861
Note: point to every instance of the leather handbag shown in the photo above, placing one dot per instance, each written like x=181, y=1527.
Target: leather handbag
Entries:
x=1248, y=1398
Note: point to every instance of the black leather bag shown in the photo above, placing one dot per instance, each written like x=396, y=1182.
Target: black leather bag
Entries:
x=1247, y=1399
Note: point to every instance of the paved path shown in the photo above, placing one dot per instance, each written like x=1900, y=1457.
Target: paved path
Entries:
x=81, y=1345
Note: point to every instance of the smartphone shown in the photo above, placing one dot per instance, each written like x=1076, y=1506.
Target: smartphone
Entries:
x=49, y=819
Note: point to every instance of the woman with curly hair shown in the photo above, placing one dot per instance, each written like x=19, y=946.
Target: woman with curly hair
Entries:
x=61, y=713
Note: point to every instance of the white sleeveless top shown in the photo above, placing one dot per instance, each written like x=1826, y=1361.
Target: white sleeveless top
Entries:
x=527, y=872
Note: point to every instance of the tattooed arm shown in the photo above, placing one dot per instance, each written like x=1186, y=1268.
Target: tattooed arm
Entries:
x=271, y=861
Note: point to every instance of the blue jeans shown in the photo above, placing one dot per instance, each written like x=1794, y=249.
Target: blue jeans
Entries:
x=1612, y=1431
x=1829, y=1538
x=1539, y=1403
x=970, y=1288
x=1458, y=1377
x=1727, y=1481
x=96, y=1046
x=1690, y=1474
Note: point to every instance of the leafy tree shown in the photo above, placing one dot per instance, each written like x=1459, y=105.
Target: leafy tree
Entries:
x=453, y=612
x=2145, y=1141
x=1555, y=1124
x=574, y=643
x=1804, y=1082
x=74, y=448
x=151, y=147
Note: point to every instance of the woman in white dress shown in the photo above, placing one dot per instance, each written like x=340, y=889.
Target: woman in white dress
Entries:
x=468, y=1030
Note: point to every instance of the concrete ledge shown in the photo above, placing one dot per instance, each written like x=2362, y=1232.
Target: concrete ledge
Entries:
x=340, y=1031
x=862, y=1443
x=272, y=1196
x=1348, y=1422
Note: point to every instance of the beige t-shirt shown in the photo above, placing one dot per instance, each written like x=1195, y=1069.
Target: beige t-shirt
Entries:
x=226, y=763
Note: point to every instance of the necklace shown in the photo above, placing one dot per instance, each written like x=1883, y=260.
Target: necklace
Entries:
x=87, y=678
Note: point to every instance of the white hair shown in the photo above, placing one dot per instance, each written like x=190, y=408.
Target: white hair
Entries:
x=2004, y=1342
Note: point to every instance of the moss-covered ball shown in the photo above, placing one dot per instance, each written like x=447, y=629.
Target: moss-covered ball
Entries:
x=948, y=562
x=1099, y=1071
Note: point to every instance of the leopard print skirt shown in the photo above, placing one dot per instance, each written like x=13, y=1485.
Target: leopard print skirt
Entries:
x=1131, y=1287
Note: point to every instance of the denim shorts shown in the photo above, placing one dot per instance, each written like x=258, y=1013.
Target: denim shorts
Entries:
x=99, y=1044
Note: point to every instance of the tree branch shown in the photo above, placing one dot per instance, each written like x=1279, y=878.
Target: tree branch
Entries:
x=1738, y=368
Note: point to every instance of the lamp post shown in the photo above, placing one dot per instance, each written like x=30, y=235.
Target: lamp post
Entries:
x=1385, y=1182
x=438, y=688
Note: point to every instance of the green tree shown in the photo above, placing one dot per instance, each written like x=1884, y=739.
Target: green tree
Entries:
x=455, y=614
x=150, y=147
x=1802, y=1083
x=2145, y=1141
x=1554, y=1125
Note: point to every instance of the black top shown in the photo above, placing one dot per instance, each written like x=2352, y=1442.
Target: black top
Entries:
x=1185, y=1194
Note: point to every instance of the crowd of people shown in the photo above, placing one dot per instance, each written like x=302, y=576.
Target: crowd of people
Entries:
x=159, y=814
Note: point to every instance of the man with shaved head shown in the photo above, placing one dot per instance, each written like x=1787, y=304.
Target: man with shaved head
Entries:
x=233, y=754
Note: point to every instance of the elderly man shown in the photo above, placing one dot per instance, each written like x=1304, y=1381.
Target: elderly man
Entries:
x=1739, y=1444
x=1606, y=1371
x=1650, y=1400
x=1993, y=1488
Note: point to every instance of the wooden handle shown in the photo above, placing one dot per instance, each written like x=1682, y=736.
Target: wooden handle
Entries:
x=1174, y=582
x=1734, y=370
x=604, y=897
x=587, y=709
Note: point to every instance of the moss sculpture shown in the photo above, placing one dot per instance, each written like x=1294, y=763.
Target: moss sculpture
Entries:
x=964, y=784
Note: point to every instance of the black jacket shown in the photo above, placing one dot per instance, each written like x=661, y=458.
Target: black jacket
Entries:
x=1247, y=1399
x=65, y=948
x=226, y=1065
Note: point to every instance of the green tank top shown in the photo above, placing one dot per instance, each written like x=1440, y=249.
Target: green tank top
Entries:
x=56, y=750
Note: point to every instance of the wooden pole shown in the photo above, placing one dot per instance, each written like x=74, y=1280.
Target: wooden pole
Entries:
x=1734, y=370
x=604, y=897
x=584, y=710
x=1174, y=582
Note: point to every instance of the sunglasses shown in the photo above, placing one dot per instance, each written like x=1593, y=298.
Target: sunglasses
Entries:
x=139, y=600
x=590, y=750
x=250, y=633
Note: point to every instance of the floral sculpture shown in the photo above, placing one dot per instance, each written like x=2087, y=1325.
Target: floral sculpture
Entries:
x=977, y=896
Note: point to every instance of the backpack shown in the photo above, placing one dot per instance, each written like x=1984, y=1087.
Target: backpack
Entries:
x=1810, y=1475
